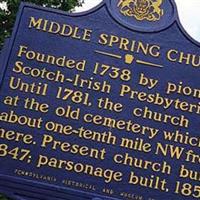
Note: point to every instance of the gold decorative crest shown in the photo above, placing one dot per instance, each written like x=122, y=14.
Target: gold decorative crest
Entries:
x=142, y=9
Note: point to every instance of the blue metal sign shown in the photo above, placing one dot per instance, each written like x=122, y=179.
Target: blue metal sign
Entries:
x=100, y=105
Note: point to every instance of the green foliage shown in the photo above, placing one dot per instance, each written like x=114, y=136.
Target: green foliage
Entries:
x=3, y=198
x=7, y=16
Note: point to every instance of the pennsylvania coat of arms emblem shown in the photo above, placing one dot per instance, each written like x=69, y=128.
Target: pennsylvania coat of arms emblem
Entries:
x=142, y=9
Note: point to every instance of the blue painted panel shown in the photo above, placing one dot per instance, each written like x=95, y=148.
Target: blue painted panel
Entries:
x=118, y=45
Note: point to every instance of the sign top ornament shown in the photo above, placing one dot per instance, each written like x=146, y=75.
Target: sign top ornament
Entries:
x=143, y=15
x=142, y=9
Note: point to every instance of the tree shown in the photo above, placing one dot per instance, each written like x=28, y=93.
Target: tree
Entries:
x=8, y=14
x=3, y=198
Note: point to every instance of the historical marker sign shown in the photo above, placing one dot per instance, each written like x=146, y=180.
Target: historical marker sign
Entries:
x=100, y=105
